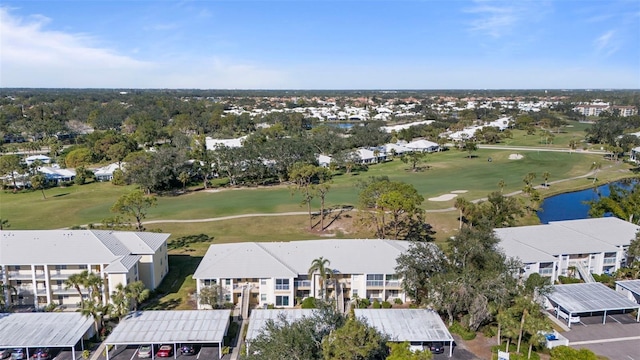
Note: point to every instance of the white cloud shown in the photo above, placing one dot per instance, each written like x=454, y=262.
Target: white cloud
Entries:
x=499, y=18
x=33, y=56
x=606, y=43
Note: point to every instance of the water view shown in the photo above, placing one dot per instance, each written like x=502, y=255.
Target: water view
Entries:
x=570, y=206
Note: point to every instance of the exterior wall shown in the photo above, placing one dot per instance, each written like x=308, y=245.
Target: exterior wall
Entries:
x=153, y=268
x=630, y=295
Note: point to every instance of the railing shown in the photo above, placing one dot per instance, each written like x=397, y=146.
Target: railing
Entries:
x=584, y=274
x=282, y=286
x=379, y=283
x=302, y=283
x=609, y=261
x=393, y=283
x=546, y=271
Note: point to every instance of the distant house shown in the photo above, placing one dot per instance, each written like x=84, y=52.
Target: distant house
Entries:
x=397, y=148
x=232, y=143
x=423, y=146
x=635, y=155
x=369, y=156
x=56, y=174
x=31, y=159
x=324, y=160
x=106, y=173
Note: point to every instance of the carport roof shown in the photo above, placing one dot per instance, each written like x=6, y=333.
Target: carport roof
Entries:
x=589, y=297
x=407, y=324
x=54, y=329
x=631, y=285
x=259, y=318
x=175, y=326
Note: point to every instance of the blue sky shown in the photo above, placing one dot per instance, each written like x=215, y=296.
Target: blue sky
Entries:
x=301, y=44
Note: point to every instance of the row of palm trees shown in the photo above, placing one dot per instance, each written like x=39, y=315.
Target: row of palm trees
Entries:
x=95, y=306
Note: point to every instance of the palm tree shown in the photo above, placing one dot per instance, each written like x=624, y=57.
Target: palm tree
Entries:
x=320, y=265
x=75, y=281
x=96, y=311
x=121, y=303
x=4, y=224
x=137, y=292
x=545, y=176
x=462, y=205
x=595, y=167
x=501, y=185
x=94, y=282
x=6, y=288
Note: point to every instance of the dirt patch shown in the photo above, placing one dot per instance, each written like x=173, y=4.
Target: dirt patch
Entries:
x=480, y=346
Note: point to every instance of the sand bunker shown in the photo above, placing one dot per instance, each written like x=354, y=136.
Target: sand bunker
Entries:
x=445, y=197
x=515, y=157
x=459, y=191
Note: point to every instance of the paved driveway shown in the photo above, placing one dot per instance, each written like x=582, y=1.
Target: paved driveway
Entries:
x=618, y=339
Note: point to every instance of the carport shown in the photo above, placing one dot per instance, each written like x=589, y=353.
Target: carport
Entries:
x=412, y=325
x=589, y=298
x=44, y=330
x=631, y=287
x=171, y=327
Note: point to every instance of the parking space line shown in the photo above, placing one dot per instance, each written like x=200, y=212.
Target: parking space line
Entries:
x=134, y=354
x=199, y=352
x=614, y=319
x=572, y=343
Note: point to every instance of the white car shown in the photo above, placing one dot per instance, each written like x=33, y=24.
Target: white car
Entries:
x=573, y=320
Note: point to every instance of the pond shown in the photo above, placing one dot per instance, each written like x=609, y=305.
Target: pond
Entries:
x=571, y=206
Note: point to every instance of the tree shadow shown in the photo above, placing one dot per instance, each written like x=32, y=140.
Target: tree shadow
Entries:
x=60, y=195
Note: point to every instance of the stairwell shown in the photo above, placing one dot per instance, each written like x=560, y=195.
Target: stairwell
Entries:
x=584, y=274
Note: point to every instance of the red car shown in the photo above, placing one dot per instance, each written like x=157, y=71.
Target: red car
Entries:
x=165, y=351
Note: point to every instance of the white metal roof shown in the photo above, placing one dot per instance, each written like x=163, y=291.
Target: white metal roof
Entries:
x=538, y=242
x=407, y=324
x=631, y=285
x=259, y=318
x=611, y=230
x=589, y=297
x=290, y=259
x=69, y=247
x=53, y=329
x=175, y=326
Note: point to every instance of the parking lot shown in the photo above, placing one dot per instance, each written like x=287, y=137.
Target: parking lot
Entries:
x=617, y=339
x=131, y=353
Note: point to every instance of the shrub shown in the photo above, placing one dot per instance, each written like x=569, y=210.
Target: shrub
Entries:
x=376, y=304
x=489, y=331
x=226, y=350
x=386, y=305
x=364, y=303
x=86, y=354
x=308, y=303
x=568, y=280
x=397, y=301
x=464, y=333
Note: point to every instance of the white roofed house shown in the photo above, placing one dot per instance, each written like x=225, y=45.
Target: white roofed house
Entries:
x=590, y=246
x=369, y=156
x=423, y=145
x=42, y=158
x=277, y=272
x=56, y=174
x=635, y=155
x=38, y=262
x=106, y=173
x=324, y=160
x=211, y=143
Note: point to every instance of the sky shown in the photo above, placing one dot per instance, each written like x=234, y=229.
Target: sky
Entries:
x=322, y=44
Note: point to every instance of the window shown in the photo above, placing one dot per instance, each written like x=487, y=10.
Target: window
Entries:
x=263, y=297
x=354, y=292
x=375, y=279
x=209, y=282
x=282, y=301
x=61, y=267
x=263, y=281
x=282, y=284
x=227, y=281
x=82, y=267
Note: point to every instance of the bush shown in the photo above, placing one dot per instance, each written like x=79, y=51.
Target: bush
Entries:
x=567, y=353
x=308, y=303
x=490, y=331
x=364, y=303
x=568, y=280
x=226, y=350
x=397, y=301
x=386, y=305
x=464, y=333
x=376, y=304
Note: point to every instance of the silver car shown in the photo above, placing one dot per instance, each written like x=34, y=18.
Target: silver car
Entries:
x=144, y=351
x=5, y=353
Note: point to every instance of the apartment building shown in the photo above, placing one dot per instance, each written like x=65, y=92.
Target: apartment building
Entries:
x=569, y=248
x=278, y=272
x=38, y=262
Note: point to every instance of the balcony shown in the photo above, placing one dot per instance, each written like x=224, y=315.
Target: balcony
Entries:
x=63, y=291
x=282, y=287
x=302, y=283
x=609, y=261
x=24, y=275
x=375, y=283
x=58, y=275
x=546, y=271
x=393, y=284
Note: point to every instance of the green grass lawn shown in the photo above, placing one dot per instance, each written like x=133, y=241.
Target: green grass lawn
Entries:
x=447, y=171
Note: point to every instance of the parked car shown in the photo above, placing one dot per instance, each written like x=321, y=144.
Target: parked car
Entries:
x=18, y=354
x=165, y=351
x=41, y=354
x=573, y=320
x=187, y=349
x=415, y=346
x=436, y=347
x=144, y=351
x=5, y=353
